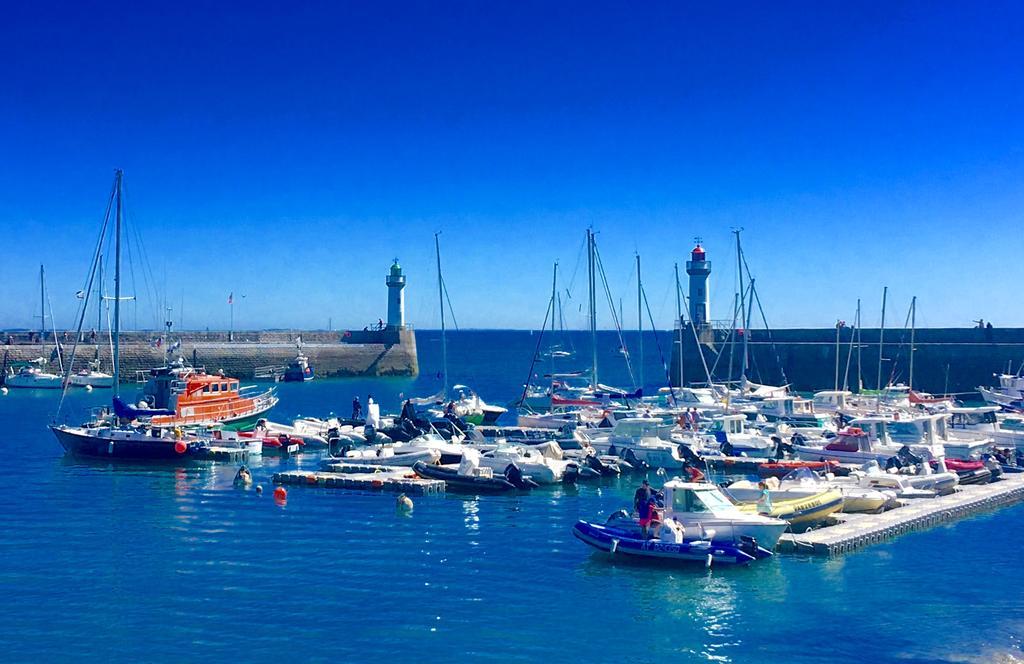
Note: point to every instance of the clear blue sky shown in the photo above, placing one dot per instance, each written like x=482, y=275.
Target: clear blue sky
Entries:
x=289, y=151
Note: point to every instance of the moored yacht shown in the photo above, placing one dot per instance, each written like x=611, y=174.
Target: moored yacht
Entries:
x=33, y=375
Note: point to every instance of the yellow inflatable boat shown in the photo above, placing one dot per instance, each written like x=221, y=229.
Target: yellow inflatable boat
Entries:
x=801, y=511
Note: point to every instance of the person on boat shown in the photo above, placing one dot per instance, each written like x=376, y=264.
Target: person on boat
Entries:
x=764, y=502
x=357, y=408
x=644, y=503
x=449, y=410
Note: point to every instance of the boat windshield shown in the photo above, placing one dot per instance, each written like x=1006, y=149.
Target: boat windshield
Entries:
x=801, y=475
x=904, y=432
x=687, y=500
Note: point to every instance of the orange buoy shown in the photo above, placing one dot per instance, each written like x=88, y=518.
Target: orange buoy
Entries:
x=181, y=447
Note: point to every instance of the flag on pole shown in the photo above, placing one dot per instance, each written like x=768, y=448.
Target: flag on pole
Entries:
x=231, y=298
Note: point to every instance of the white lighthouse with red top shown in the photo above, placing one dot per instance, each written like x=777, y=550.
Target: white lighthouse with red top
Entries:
x=699, y=269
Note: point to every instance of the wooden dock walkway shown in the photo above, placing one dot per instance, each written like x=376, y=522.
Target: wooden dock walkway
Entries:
x=396, y=479
x=858, y=530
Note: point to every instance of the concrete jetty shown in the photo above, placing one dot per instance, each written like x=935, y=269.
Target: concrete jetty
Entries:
x=854, y=531
x=378, y=349
x=387, y=352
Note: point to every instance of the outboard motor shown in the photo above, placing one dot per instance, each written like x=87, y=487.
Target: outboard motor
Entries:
x=749, y=545
x=908, y=457
x=893, y=463
x=369, y=433
x=690, y=456
x=516, y=478
x=572, y=474
x=629, y=456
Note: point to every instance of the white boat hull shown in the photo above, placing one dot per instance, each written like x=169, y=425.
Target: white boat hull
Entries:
x=34, y=382
x=95, y=379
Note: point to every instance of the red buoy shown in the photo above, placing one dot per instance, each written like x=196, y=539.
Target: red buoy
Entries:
x=280, y=493
x=180, y=447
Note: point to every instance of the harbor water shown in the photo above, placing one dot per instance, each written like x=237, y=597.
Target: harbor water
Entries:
x=103, y=561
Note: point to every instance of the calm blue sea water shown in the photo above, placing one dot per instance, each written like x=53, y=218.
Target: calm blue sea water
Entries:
x=144, y=562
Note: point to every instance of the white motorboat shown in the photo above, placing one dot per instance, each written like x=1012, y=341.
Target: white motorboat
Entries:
x=548, y=420
x=983, y=422
x=645, y=438
x=793, y=410
x=852, y=445
x=1009, y=392
x=727, y=435
x=905, y=486
x=470, y=407
x=703, y=507
x=388, y=455
x=931, y=430
x=543, y=464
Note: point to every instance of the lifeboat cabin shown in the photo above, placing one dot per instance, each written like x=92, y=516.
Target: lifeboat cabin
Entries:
x=197, y=397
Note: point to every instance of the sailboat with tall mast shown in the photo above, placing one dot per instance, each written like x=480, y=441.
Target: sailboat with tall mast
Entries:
x=93, y=375
x=33, y=374
x=120, y=434
x=466, y=404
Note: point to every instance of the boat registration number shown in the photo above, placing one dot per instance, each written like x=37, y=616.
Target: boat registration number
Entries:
x=291, y=449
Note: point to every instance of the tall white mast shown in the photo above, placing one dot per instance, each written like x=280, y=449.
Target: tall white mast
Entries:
x=913, y=325
x=640, y=317
x=679, y=317
x=881, y=335
x=593, y=308
x=440, y=295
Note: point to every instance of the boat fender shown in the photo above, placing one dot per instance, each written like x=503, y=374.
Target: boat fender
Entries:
x=180, y=447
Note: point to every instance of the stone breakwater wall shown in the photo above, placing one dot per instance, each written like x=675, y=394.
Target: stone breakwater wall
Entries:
x=945, y=359
x=359, y=353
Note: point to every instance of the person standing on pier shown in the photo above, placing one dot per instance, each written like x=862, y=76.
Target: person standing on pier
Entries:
x=357, y=409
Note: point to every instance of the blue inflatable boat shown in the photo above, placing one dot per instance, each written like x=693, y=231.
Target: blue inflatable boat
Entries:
x=617, y=542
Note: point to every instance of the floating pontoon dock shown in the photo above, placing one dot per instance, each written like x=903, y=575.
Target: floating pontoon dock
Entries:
x=858, y=530
x=395, y=479
x=222, y=454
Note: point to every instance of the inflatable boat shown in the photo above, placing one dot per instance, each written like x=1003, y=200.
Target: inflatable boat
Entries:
x=672, y=548
x=780, y=469
x=802, y=511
